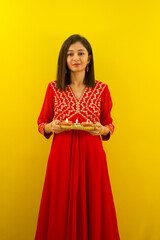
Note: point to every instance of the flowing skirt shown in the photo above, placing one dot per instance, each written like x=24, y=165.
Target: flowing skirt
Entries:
x=77, y=201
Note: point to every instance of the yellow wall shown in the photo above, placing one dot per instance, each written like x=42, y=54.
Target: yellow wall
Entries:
x=125, y=39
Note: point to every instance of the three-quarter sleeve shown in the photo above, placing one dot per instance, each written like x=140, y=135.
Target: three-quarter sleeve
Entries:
x=105, y=117
x=47, y=111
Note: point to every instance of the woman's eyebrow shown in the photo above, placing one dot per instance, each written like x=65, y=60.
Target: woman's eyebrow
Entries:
x=78, y=50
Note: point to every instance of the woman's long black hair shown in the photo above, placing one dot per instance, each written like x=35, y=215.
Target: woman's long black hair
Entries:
x=63, y=72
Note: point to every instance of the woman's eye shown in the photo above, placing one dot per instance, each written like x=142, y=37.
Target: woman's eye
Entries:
x=69, y=54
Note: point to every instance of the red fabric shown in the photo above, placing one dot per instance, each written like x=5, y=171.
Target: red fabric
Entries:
x=77, y=201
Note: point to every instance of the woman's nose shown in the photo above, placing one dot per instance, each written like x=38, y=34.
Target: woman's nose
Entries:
x=75, y=56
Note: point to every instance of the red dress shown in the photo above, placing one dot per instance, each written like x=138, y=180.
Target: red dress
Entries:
x=77, y=201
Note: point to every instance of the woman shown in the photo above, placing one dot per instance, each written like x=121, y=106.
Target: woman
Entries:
x=77, y=202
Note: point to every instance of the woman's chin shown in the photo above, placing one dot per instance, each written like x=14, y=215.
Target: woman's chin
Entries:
x=78, y=70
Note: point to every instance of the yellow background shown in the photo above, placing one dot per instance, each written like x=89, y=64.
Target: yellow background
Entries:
x=125, y=38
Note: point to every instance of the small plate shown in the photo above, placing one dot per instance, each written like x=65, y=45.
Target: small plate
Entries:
x=78, y=127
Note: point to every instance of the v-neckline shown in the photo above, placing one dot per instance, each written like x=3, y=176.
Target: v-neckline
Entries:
x=77, y=100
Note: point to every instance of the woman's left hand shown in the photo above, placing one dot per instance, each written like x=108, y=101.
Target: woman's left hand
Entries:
x=99, y=129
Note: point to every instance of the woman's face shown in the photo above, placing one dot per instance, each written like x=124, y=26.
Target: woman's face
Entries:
x=77, y=57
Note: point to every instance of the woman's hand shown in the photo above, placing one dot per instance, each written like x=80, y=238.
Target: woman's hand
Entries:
x=54, y=127
x=99, y=130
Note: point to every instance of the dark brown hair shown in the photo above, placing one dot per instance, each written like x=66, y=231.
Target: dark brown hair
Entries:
x=63, y=72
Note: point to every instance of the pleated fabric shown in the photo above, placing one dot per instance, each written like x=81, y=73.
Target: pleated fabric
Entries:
x=77, y=201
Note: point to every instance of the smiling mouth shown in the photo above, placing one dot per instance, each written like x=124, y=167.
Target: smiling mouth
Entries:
x=76, y=64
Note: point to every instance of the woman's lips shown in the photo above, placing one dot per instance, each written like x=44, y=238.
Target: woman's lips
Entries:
x=76, y=64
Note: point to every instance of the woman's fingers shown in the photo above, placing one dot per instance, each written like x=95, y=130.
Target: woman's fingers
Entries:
x=55, y=125
x=94, y=132
x=56, y=128
x=97, y=130
x=98, y=124
x=56, y=121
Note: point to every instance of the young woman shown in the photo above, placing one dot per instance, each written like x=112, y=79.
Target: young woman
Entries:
x=77, y=201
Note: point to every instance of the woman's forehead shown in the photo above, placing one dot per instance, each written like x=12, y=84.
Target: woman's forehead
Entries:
x=78, y=46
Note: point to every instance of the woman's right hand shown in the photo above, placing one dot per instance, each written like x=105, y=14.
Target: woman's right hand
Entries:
x=54, y=127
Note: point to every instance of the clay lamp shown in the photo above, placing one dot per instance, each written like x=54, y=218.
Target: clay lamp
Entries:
x=87, y=124
x=67, y=123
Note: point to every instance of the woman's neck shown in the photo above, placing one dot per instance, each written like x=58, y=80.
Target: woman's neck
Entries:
x=77, y=78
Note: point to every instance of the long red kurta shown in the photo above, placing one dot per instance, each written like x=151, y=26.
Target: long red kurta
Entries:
x=77, y=201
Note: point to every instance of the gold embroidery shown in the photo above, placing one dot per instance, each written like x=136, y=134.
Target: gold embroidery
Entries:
x=88, y=106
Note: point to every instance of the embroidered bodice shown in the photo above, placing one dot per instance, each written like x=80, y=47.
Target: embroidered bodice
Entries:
x=94, y=104
x=88, y=106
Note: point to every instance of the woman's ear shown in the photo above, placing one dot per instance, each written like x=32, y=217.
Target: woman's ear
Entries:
x=89, y=58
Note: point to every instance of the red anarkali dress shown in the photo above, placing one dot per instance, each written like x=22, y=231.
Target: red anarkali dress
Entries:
x=77, y=201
